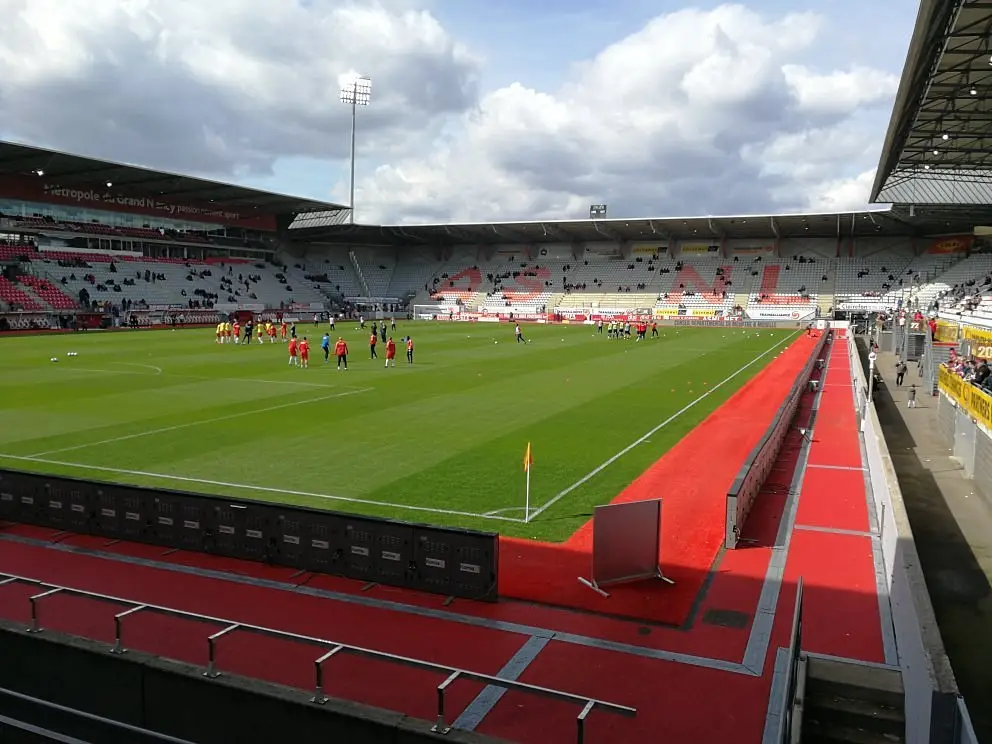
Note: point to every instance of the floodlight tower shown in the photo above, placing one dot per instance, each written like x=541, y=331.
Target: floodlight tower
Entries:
x=356, y=93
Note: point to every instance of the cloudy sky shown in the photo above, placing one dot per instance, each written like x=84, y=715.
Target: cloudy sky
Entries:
x=481, y=110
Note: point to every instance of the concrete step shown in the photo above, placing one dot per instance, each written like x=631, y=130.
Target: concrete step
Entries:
x=855, y=713
x=819, y=732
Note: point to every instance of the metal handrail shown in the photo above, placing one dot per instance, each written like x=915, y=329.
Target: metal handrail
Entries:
x=454, y=674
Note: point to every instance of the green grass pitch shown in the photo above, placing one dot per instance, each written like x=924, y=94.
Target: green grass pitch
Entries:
x=440, y=442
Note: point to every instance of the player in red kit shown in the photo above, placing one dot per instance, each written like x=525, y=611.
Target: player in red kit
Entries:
x=373, y=340
x=390, y=352
x=292, y=352
x=341, y=352
x=304, y=353
x=283, y=328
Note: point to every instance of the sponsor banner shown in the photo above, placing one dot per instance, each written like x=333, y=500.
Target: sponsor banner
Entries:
x=976, y=403
x=781, y=313
x=946, y=332
x=699, y=248
x=37, y=189
x=700, y=313
x=666, y=312
x=755, y=250
x=980, y=340
x=955, y=244
x=648, y=249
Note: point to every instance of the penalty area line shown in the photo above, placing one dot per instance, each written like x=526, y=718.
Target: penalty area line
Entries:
x=257, y=489
x=218, y=419
x=599, y=469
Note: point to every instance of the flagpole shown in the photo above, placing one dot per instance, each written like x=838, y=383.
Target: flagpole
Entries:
x=527, y=502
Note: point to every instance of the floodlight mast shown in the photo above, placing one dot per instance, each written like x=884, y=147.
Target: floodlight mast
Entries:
x=356, y=93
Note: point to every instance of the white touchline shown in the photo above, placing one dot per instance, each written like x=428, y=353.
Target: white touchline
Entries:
x=596, y=471
x=218, y=419
x=260, y=489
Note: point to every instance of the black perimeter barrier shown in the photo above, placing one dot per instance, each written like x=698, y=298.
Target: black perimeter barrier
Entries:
x=754, y=472
x=94, y=697
x=440, y=560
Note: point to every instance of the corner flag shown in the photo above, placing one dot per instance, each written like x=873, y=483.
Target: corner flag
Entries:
x=528, y=459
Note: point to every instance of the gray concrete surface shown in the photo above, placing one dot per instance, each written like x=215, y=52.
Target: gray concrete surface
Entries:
x=952, y=524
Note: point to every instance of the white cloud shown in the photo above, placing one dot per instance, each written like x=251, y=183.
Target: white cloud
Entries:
x=225, y=86
x=699, y=112
x=841, y=194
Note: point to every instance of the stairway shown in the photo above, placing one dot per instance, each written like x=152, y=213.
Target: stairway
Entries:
x=826, y=297
x=359, y=273
x=848, y=703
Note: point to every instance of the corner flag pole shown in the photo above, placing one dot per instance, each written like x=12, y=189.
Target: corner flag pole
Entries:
x=528, y=463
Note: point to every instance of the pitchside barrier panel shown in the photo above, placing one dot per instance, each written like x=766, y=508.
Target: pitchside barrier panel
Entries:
x=754, y=472
x=626, y=544
x=440, y=560
x=322, y=664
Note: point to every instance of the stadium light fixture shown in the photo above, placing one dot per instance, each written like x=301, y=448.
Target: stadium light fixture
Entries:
x=357, y=92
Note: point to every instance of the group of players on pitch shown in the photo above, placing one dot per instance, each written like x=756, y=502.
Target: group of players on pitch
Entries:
x=299, y=348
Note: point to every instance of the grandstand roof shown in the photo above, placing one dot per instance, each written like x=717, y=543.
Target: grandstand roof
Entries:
x=877, y=222
x=936, y=150
x=78, y=171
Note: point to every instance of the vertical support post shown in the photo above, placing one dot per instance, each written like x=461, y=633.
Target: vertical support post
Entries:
x=354, y=121
x=35, y=626
x=441, y=727
x=318, y=668
x=580, y=722
x=119, y=628
x=211, y=650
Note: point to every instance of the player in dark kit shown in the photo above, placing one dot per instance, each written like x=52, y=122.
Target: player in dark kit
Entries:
x=249, y=327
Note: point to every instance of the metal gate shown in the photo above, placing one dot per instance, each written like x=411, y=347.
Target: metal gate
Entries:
x=983, y=463
x=964, y=442
x=946, y=413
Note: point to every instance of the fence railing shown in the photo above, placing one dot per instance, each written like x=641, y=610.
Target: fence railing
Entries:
x=333, y=648
x=94, y=727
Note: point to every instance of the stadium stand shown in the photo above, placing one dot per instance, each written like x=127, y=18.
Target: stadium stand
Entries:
x=57, y=280
x=52, y=278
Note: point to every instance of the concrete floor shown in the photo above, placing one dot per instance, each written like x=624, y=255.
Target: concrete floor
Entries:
x=952, y=524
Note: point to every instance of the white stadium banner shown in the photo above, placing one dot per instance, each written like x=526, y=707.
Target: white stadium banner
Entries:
x=781, y=313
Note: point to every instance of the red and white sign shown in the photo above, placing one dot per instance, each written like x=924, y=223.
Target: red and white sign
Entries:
x=38, y=189
x=781, y=313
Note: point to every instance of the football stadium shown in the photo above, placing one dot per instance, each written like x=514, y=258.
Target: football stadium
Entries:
x=597, y=480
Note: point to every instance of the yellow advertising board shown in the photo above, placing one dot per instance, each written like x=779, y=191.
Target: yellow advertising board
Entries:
x=699, y=248
x=665, y=312
x=648, y=249
x=973, y=401
x=946, y=332
x=702, y=313
x=981, y=341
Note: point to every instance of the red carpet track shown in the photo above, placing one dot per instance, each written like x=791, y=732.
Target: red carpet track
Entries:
x=841, y=613
x=391, y=686
x=705, y=640
x=694, y=477
x=833, y=499
x=675, y=703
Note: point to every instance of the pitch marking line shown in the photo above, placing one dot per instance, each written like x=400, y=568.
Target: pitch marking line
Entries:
x=177, y=427
x=246, y=487
x=596, y=471
x=93, y=370
x=156, y=370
